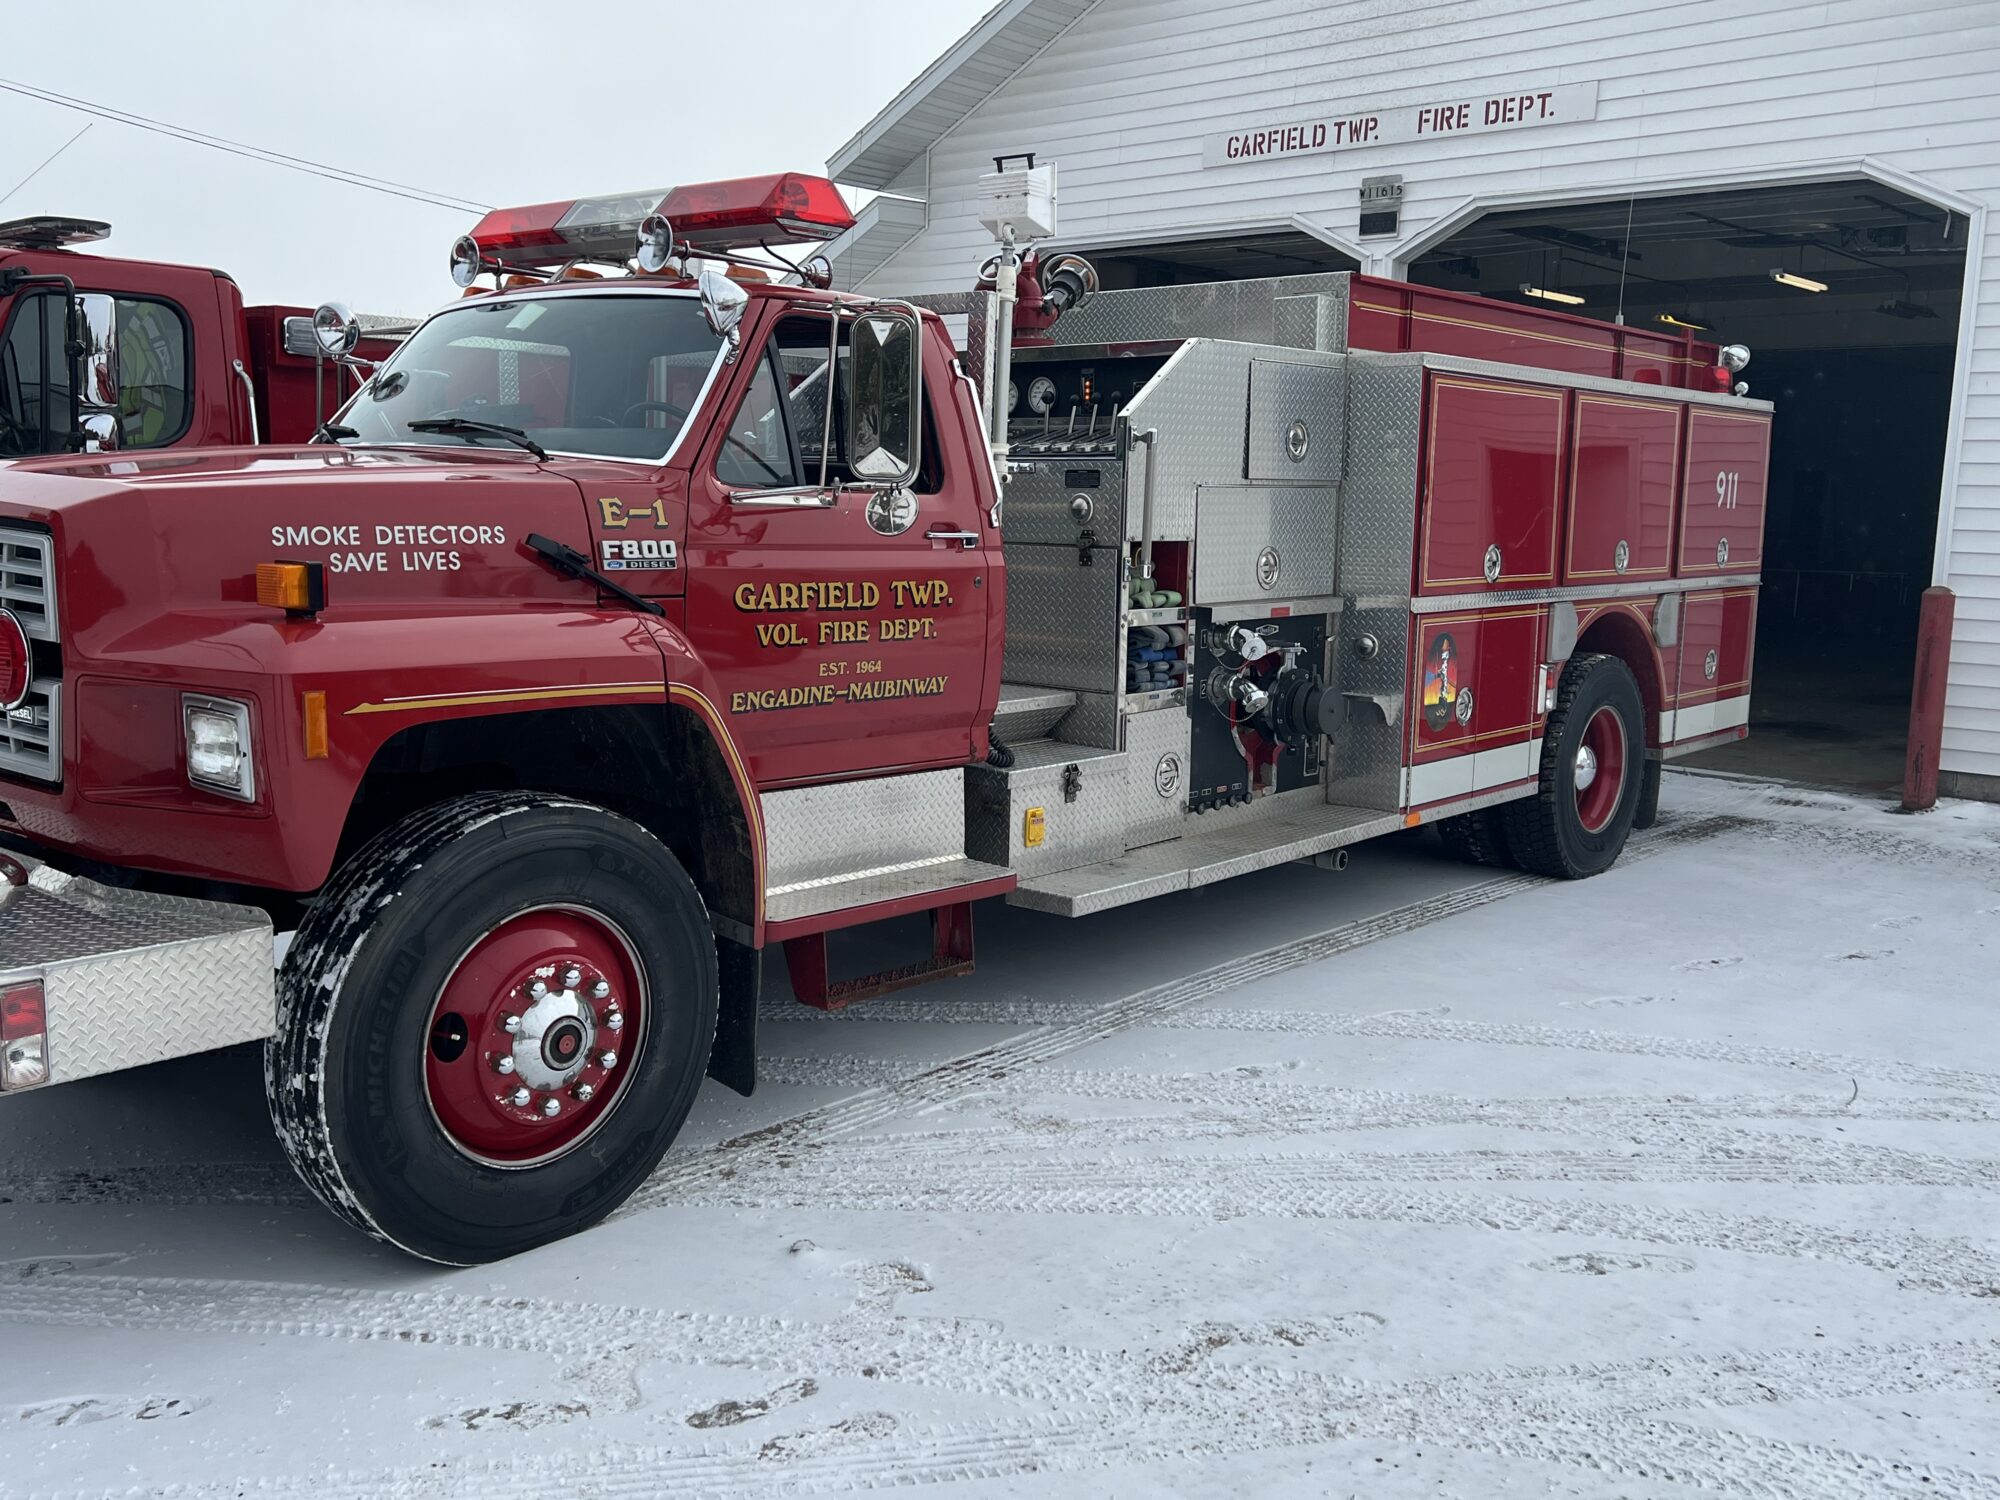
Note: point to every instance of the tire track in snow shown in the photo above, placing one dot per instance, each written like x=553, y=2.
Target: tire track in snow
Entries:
x=1676, y=1155
x=1517, y=1413
x=1299, y=1187
x=1086, y=1024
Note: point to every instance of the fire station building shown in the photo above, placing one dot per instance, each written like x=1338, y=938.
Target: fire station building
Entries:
x=1807, y=177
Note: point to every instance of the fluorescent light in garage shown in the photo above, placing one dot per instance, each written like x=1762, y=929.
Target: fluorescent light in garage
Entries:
x=1568, y=298
x=1803, y=283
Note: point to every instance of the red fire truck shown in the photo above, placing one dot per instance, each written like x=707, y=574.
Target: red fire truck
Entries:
x=627, y=623
x=99, y=354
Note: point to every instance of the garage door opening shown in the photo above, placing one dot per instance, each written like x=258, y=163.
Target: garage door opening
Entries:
x=1848, y=295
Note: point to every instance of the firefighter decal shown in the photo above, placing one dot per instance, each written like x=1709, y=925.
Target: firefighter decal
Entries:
x=1446, y=696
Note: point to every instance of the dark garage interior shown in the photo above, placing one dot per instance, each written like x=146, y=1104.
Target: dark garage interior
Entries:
x=1861, y=373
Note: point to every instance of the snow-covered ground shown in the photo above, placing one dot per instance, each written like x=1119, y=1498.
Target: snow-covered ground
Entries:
x=1411, y=1181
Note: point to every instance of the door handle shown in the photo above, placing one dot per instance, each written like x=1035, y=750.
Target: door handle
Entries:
x=966, y=539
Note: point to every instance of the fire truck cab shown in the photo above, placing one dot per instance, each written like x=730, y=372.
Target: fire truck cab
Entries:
x=655, y=605
x=100, y=354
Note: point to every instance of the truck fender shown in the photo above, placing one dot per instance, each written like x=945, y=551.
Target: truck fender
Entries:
x=1621, y=630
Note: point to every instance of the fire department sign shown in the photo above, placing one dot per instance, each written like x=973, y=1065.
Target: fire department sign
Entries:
x=1272, y=137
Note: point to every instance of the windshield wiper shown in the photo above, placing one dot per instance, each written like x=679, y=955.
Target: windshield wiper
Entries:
x=576, y=565
x=466, y=424
x=333, y=432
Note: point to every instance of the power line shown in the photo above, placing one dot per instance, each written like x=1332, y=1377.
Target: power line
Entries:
x=240, y=148
x=46, y=160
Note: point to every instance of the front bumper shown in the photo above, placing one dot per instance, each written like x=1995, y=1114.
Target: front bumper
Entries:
x=130, y=977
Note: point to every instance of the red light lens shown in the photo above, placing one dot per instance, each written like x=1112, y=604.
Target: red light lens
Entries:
x=22, y=1013
x=17, y=661
x=520, y=228
x=787, y=206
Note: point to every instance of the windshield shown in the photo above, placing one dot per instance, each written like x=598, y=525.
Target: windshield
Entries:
x=615, y=376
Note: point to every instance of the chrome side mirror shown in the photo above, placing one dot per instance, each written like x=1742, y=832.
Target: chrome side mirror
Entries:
x=722, y=304
x=97, y=399
x=885, y=398
x=1734, y=356
x=336, y=330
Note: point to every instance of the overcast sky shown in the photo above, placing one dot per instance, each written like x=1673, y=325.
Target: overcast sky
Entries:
x=500, y=101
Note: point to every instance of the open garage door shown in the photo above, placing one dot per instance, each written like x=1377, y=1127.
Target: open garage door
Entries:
x=1848, y=295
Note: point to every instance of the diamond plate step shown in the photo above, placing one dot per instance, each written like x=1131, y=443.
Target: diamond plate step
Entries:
x=1201, y=858
x=947, y=877
x=1028, y=713
x=132, y=977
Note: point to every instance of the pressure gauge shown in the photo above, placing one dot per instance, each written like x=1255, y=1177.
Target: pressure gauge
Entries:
x=1041, y=395
x=1013, y=397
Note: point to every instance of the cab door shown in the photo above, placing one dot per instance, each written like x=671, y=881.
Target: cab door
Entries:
x=846, y=628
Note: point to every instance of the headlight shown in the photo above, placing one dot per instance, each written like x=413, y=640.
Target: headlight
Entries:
x=217, y=731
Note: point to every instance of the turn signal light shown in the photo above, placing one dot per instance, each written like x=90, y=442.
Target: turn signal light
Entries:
x=24, y=1040
x=296, y=588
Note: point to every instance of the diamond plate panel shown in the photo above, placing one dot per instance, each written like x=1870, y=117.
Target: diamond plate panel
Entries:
x=1378, y=514
x=1076, y=832
x=1298, y=422
x=1156, y=777
x=1246, y=310
x=1094, y=721
x=131, y=977
x=815, y=834
x=1201, y=858
x=1366, y=764
x=1039, y=497
x=1257, y=542
x=1025, y=714
x=933, y=877
x=1310, y=322
x=1062, y=619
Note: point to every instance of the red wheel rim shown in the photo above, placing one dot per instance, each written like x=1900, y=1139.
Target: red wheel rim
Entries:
x=533, y=1036
x=1600, y=769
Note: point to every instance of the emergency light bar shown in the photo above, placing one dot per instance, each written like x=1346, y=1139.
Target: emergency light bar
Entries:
x=48, y=232
x=786, y=207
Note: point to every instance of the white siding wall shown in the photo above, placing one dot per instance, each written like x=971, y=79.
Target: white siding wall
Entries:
x=1688, y=89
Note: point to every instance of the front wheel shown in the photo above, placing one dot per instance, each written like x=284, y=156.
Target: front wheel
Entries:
x=491, y=1025
x=1593, y=749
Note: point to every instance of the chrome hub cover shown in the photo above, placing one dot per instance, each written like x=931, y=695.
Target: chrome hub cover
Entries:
x=1586, y=767
x=554, y=1040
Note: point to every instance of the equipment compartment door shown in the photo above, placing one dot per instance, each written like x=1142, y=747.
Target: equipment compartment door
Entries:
x=1722, y=526
x=1718, y=630
x=850, y=637
x=1624, y=462
x=1491, y=485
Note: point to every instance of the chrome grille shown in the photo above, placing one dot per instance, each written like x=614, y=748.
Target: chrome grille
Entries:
x=31, y=735
x=28, y=581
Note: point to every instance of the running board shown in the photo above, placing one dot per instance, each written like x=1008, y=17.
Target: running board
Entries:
x=1200, y=858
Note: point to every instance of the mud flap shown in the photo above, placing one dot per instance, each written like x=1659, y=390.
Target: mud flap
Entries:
x=733, y=1060
x=1649, y=795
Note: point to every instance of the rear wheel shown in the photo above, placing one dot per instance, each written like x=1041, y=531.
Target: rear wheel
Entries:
x=491, y=1025
x=1592, y=752
x=1478, y=838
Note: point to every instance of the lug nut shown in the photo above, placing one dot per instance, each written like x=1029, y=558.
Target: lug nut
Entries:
x=583, y=1093
x=551, y=1108
x=520, y=1098
x=503, y=1064
x=510, y=1024
x=600, y=989
x=572, y=977
x=537, y=989
x=607, y=1059
x=614, y=1021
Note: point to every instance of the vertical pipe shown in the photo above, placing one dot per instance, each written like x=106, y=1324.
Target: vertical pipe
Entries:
x=1920, y=771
